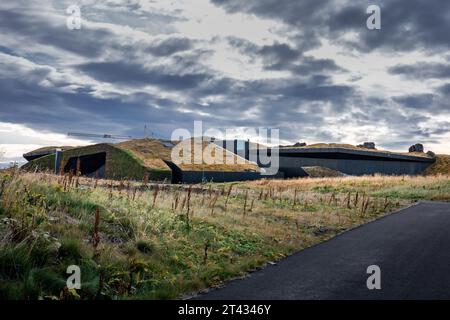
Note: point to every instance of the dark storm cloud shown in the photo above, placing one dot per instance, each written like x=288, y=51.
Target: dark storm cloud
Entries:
x=310, y=65
x=281, y=56
x=58, y=111
x=88, y=42
x=131, y=74
x=422, y=70
x=37, y=29
x=440, y=129
x=419, y=101
x=295, y=91
x=280, y=103
x=290, y=12
x=445, y=89
x=333, y=93
x=170, y=46
x=61, y=112
x=275, y=56
x=305, y=18
x=412, y=24
x=406, y=24
x=386, y=113
x=301, y=103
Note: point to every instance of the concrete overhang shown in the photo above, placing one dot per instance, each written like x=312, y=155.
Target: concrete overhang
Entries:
x=366, y=153
x=34, y=155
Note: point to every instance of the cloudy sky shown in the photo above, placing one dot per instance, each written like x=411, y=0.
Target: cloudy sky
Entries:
x=308, y=67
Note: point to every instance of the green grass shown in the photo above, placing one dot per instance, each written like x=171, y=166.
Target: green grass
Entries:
x=438, y=191
x=156, y=250
x=404, y=188
x=121, y=163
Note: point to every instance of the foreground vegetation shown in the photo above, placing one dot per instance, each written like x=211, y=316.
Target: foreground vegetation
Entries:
x=146, y=241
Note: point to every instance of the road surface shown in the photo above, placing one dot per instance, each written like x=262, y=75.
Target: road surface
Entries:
x=411, y=247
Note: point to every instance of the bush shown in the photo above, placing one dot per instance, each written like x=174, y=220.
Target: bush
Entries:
x=145, y=247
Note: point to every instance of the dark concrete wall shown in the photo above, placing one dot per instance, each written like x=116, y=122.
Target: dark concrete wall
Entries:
x=217, y=176
x=233, y=146
x=119, y=163
x=349, y=162
x=91, y=165
x=291, y=166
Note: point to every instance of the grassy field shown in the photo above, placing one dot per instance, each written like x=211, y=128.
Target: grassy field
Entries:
x=140, y=241
x=441, y=166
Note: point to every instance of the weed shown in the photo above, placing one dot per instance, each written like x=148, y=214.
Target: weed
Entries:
x=152, y=244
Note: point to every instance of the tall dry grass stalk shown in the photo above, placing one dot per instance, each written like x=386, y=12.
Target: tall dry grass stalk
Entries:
x=145, y=179
x=188, y=200
x=78, y=172
x=227, y=197
x=294, y=202
x=175, y=202
x=110, y=195
x=212, y=204
x=251, y=205
x=155, y=195
x=205, y=250
x=96, y=236
x=245, y=201
x=61, y=168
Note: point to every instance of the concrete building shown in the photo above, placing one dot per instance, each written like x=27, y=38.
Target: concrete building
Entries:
x=351, y=162
x=135, y=159
x=347, y=159
x=221, y=161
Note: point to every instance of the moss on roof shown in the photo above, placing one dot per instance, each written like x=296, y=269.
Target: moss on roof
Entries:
x=211, y=158
x=120, y=163
x=321, y=172
x=149, y=155
x=154, y=153
x=151, y=152
x=50, y=148
x=441, y=166
x=352, y=147
x=44, y=163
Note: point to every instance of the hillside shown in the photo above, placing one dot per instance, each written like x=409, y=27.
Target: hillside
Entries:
x=151, y=152
x=134, y=158
x=147, y=242
x=352, y=147
x=441, y=166
x=321, y=172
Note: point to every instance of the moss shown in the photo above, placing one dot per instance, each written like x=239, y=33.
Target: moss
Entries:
x=441, y=166
x=146, y=251
x=120, y=163
x=145, y=247
x=45, y=163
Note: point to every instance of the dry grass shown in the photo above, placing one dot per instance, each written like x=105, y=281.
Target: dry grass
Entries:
x=403, y=187
x=353, y=147
x=321, y=172
x=51, y=148
x=441, y=166
x=163, y=241
x=210, y=158
x=151, y=154
x=151, y=151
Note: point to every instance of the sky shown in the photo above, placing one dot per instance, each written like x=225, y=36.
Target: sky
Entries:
x=310, y=68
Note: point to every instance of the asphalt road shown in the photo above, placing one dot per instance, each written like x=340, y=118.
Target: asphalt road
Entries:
x=411, y=247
